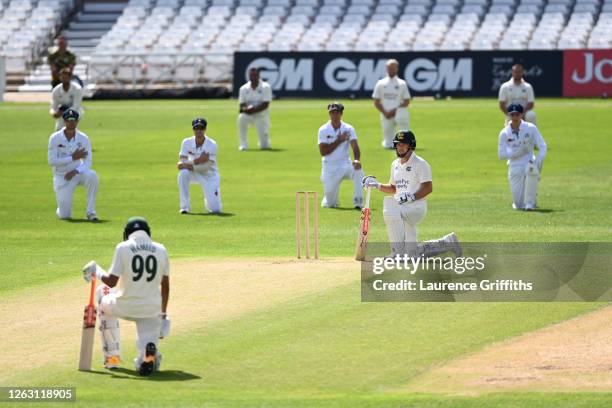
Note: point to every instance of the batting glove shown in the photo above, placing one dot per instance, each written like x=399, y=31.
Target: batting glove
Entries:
x=405, y=198
x=370, y=181
x=92, y=269
x=164, y=329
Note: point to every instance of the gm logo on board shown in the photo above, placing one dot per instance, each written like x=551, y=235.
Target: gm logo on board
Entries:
x=289, y=74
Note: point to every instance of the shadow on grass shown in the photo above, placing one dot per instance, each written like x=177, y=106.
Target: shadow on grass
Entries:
x=544, y=210
x=164, y=375
x=209, y=214
x=271, y=150
x=80, y=220
x=341, y=209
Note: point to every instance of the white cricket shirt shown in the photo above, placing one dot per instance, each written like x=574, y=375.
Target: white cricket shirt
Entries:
x=511, y=141
x=407, y=177
x=510, y=93
x=189, y=149
x=60, y=152
x=327, y=135
x=140, y=265
x=250, y=96
x=392, y=92
x=73, y=98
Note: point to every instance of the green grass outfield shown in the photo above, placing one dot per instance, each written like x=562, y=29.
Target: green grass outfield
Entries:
x=326, y=349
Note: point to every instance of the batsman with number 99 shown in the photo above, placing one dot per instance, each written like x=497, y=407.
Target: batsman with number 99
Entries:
x=131, y=291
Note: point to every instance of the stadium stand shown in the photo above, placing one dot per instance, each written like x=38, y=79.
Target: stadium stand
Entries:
x=27, y=28
x=192, y=41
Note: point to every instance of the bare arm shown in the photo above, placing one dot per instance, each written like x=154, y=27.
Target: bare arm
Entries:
x=356, y=154
x=424, y=190
x=503, y=107
x=529, y=106
x=165, y=292
x=405, y=103
x=378, y=106
x=328, y=148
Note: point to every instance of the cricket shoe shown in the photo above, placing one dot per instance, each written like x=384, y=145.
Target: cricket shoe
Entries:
x=149, y=363
x=454, y=243
x=112, y=362
x=92, y=217
x=184, y=212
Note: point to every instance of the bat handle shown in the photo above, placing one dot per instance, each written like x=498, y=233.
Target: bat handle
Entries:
x=92, y=291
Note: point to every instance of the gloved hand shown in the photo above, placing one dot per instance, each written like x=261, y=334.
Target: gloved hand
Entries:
x=164, y=329
x=405, y=198
x=370, y=181
x=92, y=269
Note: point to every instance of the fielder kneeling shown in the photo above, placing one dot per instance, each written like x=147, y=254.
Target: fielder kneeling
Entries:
x=410, y=183
x=131, y=291
x=335, y=137
x=198, y=164
x=517, y=141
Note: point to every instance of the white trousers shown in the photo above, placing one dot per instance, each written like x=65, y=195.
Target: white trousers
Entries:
x=401, y=221
x=210, y=186
x=332, y=175
x=390, y=126
x=64, y=192
x=148, y=329
x=261, y=120
x=517, y=178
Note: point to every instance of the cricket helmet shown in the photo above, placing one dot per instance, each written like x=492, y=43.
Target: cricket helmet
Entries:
x=136, y=224
x=405, y=136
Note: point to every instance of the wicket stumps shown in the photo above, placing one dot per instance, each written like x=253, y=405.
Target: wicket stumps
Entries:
x=298, y=222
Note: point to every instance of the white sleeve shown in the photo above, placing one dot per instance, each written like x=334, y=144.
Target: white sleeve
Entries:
x=541, y=144
x=184, y=150
x=322, y=138
x=77, y=104
x=54, y=102
x=166, y=269
x=116, y=266
x=530, y=94
x=502, y=93
x=391, y=179
x=405, y=92
x=241, y=97
x=52, y=155
x=502, y=150
x=424, y=172
x=212, y=153
x=353, y=134
x=267, y=94
x=377, y=94
x=87, y=160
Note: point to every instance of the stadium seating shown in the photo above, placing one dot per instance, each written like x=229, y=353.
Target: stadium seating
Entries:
x=27, y=28
x=217, y=28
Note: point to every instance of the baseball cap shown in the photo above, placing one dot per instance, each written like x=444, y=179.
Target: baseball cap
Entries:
x=515, y=107
x=70, y=115
x=198, y=122
x=335, y=106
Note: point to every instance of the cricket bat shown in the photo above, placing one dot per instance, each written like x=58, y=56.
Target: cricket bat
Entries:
x=362, y=238
x=89, y=331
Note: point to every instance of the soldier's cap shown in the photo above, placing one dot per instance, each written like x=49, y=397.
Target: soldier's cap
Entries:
x=197, y=122
x=70, y=115
x=515, y=108
x=335, y=106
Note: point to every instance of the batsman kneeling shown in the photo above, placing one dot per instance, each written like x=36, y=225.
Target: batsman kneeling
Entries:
x=517, y=142
x=410, y=183
x=131, y=291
